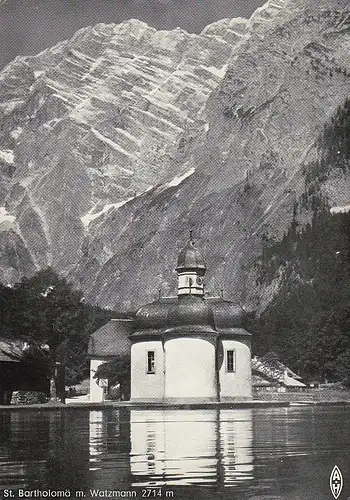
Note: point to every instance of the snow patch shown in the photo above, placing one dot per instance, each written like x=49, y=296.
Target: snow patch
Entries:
x=5, y=216
x=220, y=72
x=98, y=62
x=125, y=171
x=16, y=133
x=267, y=209
x=179, y=178
x=7, y=156
x=111, y=143
x=58, y=96
x=128, y=135
x=267, y=11
x=80, y=55
x=340, y=210
x=90, y=216
x=158, y=119
x=166, y=105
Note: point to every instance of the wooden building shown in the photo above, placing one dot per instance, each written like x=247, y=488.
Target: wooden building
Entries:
x=17, y=374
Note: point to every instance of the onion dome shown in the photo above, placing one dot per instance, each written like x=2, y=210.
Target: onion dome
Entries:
x=190, y=258
x=152, y=316
x=191, y=314
x=227, y=314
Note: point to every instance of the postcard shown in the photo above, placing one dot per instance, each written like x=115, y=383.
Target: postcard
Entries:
x=174, y=249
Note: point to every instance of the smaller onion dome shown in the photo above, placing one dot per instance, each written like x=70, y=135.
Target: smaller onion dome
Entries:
x=190, y=258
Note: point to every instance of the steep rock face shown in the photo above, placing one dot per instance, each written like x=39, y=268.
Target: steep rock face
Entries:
x=283, y=83
x=101, y=118
x=96, y=120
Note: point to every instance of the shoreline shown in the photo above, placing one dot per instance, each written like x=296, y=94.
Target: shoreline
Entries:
x=178, y=406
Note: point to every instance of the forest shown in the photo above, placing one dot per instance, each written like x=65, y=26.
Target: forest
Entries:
x=308, y=321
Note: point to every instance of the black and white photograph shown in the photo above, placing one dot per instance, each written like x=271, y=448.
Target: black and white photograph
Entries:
x=175, y=249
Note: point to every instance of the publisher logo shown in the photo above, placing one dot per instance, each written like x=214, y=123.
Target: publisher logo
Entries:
x=336, y=482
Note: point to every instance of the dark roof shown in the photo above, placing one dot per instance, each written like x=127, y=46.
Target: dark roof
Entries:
x=111, y=339
x=155, y=314
x=189, y=313
x=190, y=258
x=227, y=314
x=238, y=332
x=9, y=352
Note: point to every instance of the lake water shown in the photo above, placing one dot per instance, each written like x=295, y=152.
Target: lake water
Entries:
x=267, y=453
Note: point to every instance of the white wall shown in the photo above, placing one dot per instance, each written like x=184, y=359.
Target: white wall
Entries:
x=189, y=369
x=147, y=386
x=184, y=280
x=96, y=392
x=238, y=383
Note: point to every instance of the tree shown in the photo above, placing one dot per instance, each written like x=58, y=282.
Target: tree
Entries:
x=51, y=317
x=116, y=371
x=50, y=314
x=343, y=367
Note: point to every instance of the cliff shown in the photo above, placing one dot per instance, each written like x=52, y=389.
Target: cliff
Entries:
x=116, y=142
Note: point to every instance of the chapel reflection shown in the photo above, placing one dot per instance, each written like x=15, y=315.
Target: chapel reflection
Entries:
x=109, y=432
x=178, y=447
x=109, y=447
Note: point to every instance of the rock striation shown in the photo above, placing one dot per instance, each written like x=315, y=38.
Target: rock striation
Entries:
x=96, y=120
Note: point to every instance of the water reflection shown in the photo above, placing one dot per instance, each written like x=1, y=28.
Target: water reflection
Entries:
x=109, y=447
x=42, y=450
x=247, y=454
x=236, y=441
x=179, y=447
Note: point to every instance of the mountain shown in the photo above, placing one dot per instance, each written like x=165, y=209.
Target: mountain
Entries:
x=97, y=120
x=116, y=142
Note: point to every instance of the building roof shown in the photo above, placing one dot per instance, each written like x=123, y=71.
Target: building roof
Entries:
x=189, y=313
x=10, y=352
x=185, y=313
x=259, y=381
x=168, y=316
x=227, y=314
x=111, y=340
x=275, y=370
x=272, y=368
x=292, y=382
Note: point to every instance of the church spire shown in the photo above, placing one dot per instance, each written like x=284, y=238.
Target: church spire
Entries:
x=190, y=269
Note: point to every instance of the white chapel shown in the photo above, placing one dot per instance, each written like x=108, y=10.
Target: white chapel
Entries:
x=184, y=349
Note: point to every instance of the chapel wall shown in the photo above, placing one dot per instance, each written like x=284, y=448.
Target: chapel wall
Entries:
x=147, y=386
x=190, y=369
x=236, y=384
